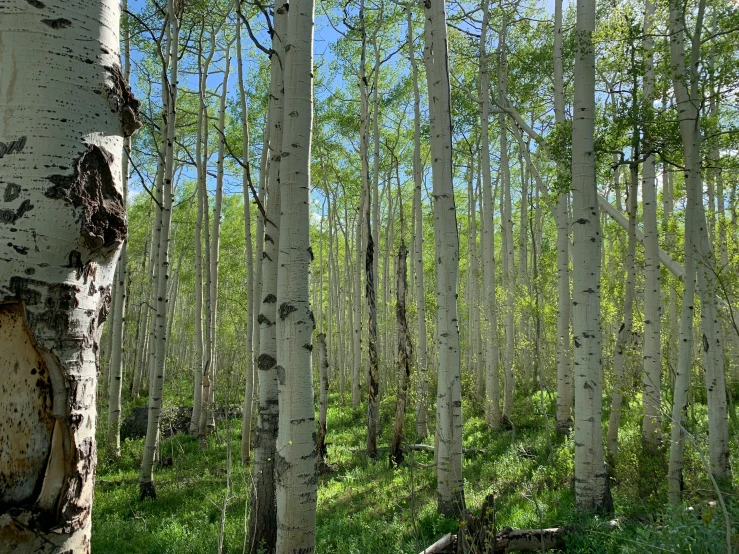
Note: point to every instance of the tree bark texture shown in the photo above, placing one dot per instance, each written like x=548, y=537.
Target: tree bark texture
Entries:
x=295, y=458
x=64, y=223
x=591, y=477
x=450, y=486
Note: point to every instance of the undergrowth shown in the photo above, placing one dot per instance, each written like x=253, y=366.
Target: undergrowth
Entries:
x=363, y=507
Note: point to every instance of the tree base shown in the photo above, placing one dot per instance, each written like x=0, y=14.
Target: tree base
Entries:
x=147, y=490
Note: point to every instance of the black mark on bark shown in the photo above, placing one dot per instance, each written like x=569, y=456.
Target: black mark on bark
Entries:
x=286, y=309
x=265, y=362
x=12, y=147
x=12, y=191
x=36, y=4
x=60, y=23
x=10, y=216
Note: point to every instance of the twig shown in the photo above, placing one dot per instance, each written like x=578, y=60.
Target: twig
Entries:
x=248, y=176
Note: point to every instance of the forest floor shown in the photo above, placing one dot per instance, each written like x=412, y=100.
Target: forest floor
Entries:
x=366, y=508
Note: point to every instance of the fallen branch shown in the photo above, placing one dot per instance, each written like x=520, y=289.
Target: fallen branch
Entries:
x=441, y=545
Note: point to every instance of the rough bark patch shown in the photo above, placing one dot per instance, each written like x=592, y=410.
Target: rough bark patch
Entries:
x=122, y=101
x=91, y=190
x=26, y=419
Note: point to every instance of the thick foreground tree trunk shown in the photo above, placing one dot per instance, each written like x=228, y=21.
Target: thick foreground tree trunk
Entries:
x=64, y=222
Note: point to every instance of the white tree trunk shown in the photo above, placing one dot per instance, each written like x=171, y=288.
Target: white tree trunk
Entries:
x=697, y=247
x=622, y=357
x=156, y=383
x=591, y=477
x=248, y=254
x=651, y=401
x=323, y=397
x=450, y=486
x=295, y=464
x=369, y=191
x=263, y=522
x=120, y=304
x=422, y=369
x=199, y=350
x=215, y=248
x=55, y=297
x=492, y=378
x=509, y=282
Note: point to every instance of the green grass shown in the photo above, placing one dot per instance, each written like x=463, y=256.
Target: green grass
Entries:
x=363, y=507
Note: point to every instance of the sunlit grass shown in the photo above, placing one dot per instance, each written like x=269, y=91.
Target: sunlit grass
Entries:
x=363, y=507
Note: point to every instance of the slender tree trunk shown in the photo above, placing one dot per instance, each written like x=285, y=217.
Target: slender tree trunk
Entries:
x=207, y=269
x=119, y=312
x=146, y=479
x=522, y=274
x=246, y=415
x=370, y=269
x=450, y=486
x=323, y=398
x=357, y=311
x=697, y=247
x=201, y=157
x=591, y=478
x=509, y=281
x=651, y=425
x=215, y=247
x=259, y=240
x=492, y=378
x=624, y=341
x=475, y=365
x=405, y=355
x=58, y=261
x=263, y=522
x=423, y=385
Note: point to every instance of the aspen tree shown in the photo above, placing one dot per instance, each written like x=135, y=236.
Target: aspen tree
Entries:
x=698, y=264
x=624, y=339
x=215, y=245
x=198, y=380
x=121, y=299
x=591, y=477
x=322, y=398
x=405, y=350
x=564, y=370
x=295, y=464
x=169, y=87
x=248, y=254
x=207, y=267
x=55, y=297
x=422, y=369
x=652, y=286
x=492, y=379
x=474, y=362
x=369, y=192
x=450, y=486
x=263, y=522
x=509, y=281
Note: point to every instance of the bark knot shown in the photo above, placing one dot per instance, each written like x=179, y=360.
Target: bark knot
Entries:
x=92, y=192
x=121, y=100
